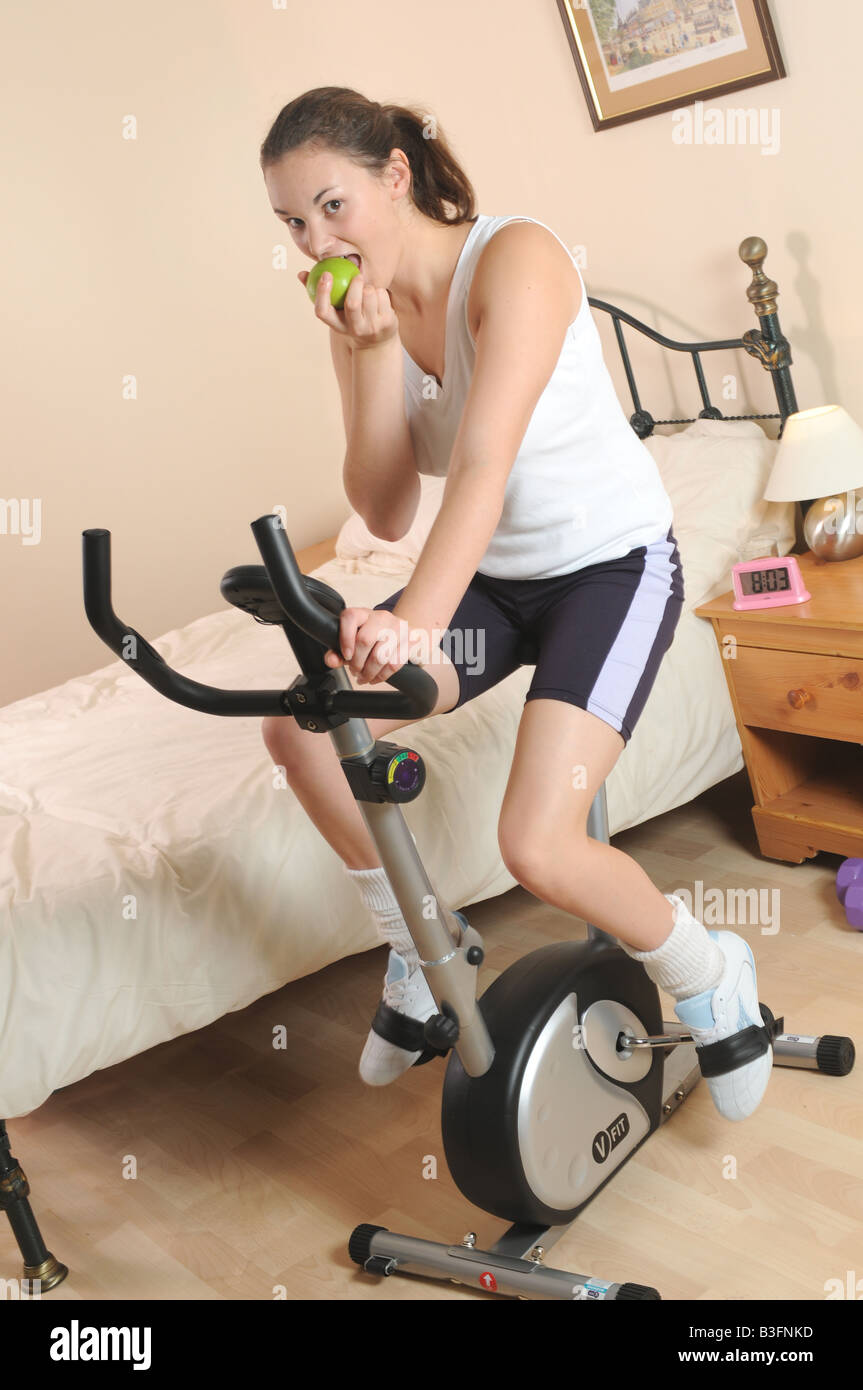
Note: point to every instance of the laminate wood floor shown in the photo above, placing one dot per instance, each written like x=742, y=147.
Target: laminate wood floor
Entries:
x=253, y=1165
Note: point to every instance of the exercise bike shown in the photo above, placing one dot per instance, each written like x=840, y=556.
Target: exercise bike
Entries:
x=564, y=1067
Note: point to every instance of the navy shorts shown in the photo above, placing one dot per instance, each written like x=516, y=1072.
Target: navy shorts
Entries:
x=596, y=636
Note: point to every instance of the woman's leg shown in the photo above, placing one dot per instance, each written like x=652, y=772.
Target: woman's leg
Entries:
x=563, y=755
x=601, y=634
x=314, y=773
x=601, y=638
x=544, y=842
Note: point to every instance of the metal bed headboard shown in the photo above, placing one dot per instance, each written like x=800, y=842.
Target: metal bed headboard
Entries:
x=767, y=343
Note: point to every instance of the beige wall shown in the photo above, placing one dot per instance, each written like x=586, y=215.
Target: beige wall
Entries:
x=154, y=257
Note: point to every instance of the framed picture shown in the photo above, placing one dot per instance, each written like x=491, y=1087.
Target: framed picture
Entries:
x=636, y=58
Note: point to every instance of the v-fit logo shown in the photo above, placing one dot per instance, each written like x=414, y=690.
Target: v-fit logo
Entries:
x=608, y=1139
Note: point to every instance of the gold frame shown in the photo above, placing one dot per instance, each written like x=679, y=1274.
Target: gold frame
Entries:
x=760, y=61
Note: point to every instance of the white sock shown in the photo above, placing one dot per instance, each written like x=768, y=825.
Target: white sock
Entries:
x=378, y=896
x=688, y=962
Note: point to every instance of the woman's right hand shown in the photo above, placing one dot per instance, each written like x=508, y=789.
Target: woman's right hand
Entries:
x=367, y=317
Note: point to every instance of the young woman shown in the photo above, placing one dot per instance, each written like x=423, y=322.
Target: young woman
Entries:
x=466, y=347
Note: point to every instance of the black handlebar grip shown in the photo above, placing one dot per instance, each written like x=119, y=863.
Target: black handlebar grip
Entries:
x=97, y=582
x=98, y=606
x=420, y=688
x=136, y=651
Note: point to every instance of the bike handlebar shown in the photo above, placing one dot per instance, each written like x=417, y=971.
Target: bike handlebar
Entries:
x=419, y=690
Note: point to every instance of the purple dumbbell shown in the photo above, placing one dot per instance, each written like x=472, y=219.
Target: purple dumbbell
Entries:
x=849, y=890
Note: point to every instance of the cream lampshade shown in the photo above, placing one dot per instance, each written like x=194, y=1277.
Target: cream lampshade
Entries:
x=820, y=455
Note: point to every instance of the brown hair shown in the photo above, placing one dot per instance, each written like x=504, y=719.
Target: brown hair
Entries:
x=342, y=119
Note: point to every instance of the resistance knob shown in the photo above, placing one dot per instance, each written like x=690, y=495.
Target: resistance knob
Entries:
x=398, y=774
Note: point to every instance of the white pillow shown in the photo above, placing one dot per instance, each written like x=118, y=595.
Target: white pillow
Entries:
x=715, y=473
x=371, y=555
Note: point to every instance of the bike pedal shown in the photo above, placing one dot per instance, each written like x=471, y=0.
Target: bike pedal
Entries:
x=442, y=1030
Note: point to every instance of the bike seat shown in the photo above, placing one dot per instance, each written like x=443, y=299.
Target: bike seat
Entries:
x=248, y=587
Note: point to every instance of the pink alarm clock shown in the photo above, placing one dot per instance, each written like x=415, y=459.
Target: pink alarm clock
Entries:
x=768, y=583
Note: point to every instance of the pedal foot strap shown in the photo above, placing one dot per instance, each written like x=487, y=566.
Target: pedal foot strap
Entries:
x=732, y=1053
x=404, y=1032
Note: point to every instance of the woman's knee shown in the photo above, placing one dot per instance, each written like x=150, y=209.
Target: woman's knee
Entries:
x=531, y=857
x=445, y=675
x=279, y=734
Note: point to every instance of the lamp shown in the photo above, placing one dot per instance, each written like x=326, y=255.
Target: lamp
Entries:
x=820, y=455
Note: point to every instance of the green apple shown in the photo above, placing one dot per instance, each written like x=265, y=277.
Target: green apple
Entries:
x=342, y=271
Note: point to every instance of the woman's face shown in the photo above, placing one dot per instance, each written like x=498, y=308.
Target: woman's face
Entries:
x=335, y=207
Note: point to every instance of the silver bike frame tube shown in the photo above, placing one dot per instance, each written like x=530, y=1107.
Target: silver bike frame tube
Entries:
x=436, y=932
x=597, y=829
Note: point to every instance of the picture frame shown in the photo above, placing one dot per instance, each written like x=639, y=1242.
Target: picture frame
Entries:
x=637, y=58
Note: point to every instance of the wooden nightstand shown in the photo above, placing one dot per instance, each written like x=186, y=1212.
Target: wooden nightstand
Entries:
x=795, y=676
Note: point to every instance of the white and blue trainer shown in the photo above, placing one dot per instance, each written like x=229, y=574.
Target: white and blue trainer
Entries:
x=732, y=1043
x=406, y=992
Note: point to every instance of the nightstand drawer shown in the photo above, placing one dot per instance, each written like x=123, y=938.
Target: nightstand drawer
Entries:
x=800, y=691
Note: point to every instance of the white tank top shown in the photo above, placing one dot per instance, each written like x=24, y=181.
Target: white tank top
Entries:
x=583, y=487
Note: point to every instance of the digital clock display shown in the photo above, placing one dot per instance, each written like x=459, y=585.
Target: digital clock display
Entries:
x=766, y=583
x=775, y=580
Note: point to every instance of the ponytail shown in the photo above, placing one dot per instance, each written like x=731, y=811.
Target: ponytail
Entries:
x=341, y=119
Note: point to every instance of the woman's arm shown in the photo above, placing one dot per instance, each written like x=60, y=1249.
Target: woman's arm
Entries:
x=379, y=474
x=526, y=292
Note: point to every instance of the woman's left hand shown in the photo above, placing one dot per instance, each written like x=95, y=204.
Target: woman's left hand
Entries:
x=374, y=642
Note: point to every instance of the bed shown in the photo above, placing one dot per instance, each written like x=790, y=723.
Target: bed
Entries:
x=155, y=874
